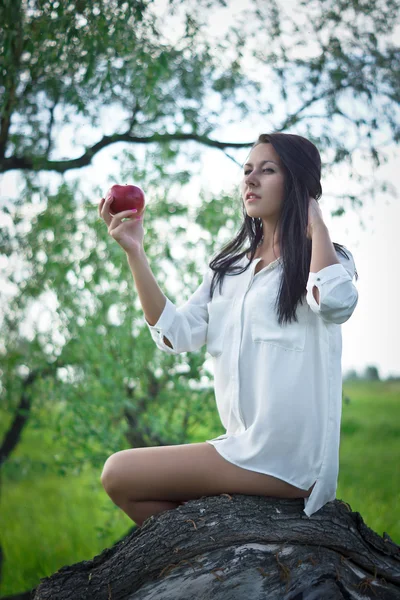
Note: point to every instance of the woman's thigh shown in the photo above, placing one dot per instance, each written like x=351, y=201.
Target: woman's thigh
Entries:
x=185, y=472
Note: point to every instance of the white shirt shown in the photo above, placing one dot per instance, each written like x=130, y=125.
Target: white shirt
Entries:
x=278, y=388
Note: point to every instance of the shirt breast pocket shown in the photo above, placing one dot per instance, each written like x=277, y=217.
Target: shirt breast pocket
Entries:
x=218, y=314
x=265, y=328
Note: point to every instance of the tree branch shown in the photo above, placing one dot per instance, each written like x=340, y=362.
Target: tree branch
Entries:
x=61, y=166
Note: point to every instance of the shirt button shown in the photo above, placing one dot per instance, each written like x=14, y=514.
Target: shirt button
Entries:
x=318, y=278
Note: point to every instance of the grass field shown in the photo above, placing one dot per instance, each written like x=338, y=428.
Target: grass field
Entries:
x=47, y=522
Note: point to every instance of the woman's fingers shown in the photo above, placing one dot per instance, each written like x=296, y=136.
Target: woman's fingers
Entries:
x=102, y=205
x=115, y=219
x=104, y=209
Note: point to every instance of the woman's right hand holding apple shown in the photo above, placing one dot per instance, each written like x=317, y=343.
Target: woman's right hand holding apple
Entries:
x=129, y=234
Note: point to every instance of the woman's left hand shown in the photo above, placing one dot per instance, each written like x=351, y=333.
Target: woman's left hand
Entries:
x=314, y=216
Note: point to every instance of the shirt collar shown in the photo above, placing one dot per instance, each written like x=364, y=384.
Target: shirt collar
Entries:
x=272, y=265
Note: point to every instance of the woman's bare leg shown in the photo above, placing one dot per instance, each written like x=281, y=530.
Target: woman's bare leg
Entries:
x=141, y=510
x=147, y=481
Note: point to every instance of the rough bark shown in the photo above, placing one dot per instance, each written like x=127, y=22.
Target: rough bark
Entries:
x=235, y=547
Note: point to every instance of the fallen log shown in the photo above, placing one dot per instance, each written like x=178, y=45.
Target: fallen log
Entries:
x=239, y=547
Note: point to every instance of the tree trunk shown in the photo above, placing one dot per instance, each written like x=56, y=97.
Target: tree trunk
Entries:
x=239, y=547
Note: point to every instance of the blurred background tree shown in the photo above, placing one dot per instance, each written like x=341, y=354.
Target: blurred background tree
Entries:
x=372, y=373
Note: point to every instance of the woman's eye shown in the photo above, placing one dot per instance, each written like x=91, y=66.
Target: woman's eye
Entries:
x=263, y=170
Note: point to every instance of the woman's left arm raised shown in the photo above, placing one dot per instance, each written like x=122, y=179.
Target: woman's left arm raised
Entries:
x=323, y=251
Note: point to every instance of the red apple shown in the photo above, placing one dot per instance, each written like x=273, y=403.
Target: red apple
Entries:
x=125, y=197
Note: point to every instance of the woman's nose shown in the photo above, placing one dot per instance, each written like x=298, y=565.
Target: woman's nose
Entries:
x=250, y=178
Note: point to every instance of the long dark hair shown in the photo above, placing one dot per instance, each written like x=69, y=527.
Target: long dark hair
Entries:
x=302, y=178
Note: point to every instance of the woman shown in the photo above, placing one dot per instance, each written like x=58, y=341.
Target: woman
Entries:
x=273, y=329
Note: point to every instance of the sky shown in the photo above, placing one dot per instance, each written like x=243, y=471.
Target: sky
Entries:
x=371, y=233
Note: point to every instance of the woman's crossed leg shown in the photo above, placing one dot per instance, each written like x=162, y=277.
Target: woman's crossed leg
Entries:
x=147, y=481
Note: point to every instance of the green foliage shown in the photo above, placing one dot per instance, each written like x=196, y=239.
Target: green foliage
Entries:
x=75, y=62
x=94, y=360
x=219, y=211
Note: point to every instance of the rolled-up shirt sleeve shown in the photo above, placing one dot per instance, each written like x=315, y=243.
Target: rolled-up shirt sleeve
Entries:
x=185, y=327
x=338, y=296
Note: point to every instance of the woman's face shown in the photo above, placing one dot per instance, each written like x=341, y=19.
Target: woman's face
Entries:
x=263, y=175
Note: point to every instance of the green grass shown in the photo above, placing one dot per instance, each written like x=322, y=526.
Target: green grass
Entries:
x=48, y=521
x=369, y=470
x=52, y=521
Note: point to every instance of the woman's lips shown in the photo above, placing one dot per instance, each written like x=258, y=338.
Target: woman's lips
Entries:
x=253, y=199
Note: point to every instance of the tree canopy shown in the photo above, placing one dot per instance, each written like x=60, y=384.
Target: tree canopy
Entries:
x=65, y=61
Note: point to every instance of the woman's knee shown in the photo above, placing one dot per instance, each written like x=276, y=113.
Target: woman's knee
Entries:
x=110, y=475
